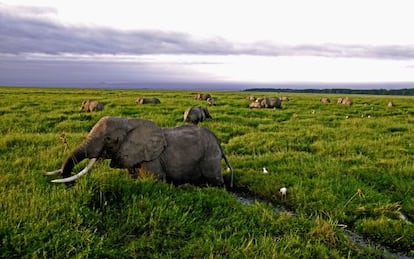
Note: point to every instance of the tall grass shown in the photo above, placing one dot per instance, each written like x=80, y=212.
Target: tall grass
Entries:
x=346, y=168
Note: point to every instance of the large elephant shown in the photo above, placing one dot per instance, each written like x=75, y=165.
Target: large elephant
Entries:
x=196, y=114
x=184, y=154
x=91, y=106
x=147, y=100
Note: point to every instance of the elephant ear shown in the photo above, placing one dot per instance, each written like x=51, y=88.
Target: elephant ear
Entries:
x=145, y=141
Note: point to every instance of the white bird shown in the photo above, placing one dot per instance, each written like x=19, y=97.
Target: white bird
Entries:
x=265, y=170
x=283, y=191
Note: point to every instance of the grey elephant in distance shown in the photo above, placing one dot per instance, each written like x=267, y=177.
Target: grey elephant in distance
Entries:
x=345, y=101
x=196, y=114
x=325, y=100
x=91, y=106
x=267, y=102
x=211, y=101
x=184, y=154
x=146, y=100
x=271, y=102
x=202, y=96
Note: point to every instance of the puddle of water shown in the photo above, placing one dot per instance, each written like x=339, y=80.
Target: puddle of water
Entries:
x=356, y=238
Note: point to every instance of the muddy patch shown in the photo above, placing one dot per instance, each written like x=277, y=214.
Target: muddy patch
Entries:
x=355, y=237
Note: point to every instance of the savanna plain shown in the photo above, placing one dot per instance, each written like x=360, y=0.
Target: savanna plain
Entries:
x=348, y=170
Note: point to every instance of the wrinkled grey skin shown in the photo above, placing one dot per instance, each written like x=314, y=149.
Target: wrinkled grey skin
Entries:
x=202, y=97
x=325, y=100
x=266, y=102
x=91, y=106
x=196, y=114
x=271, y=102
x=185, y=154
x=147, y=100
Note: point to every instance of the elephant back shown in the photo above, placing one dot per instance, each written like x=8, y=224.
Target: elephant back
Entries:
x=145, y=141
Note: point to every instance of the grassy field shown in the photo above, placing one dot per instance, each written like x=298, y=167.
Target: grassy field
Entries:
x=348, y=170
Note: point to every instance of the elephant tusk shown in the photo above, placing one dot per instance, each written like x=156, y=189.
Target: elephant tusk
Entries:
x=56, y=172
x=76, y=176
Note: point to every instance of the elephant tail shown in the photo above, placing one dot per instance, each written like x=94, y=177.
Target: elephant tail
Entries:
x=229, y=168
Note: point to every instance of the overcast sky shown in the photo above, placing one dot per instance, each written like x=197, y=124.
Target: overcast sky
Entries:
x=48, y=42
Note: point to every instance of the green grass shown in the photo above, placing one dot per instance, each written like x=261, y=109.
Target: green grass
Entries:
x=346, y=168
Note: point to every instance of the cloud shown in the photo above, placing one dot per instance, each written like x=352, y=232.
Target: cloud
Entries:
x=36, y=30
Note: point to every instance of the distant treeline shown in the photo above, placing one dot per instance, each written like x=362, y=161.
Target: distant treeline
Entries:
x=405, y=91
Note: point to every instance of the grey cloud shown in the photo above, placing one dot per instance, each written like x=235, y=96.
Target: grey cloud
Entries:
x=39, y=34
x=20, y=71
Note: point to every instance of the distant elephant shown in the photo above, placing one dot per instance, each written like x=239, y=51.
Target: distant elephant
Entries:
x=347, y=101
x=255, y=105
x=271, y=102
x=196, y=114
x=325, y=100
x=211, y=101
x=147, y=100
x=91, y=106
x=251, y=98
x=202, y=97
x=184, y=154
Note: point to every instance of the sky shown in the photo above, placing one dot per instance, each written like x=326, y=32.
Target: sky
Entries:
x=96, y=43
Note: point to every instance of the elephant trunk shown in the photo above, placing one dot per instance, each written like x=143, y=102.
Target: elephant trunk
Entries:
x=76, y=157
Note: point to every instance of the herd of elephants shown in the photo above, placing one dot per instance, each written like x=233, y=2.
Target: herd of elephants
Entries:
x=142, y=147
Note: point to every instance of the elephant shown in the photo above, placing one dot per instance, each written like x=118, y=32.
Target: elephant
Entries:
x=251, y=98
x=325, y=100
x=211, y=101
x=196, y=114
x=91, y=106
x=183, y=154
x=345, y=101
x=266, y=102
x=147, y=100
x=202, y=97
x=254, y=105
x=271, y=102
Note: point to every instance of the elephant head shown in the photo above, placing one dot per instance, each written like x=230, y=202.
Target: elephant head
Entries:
x=254, y=105
x=196, y=114
x=325, y=100
x=127, y=142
